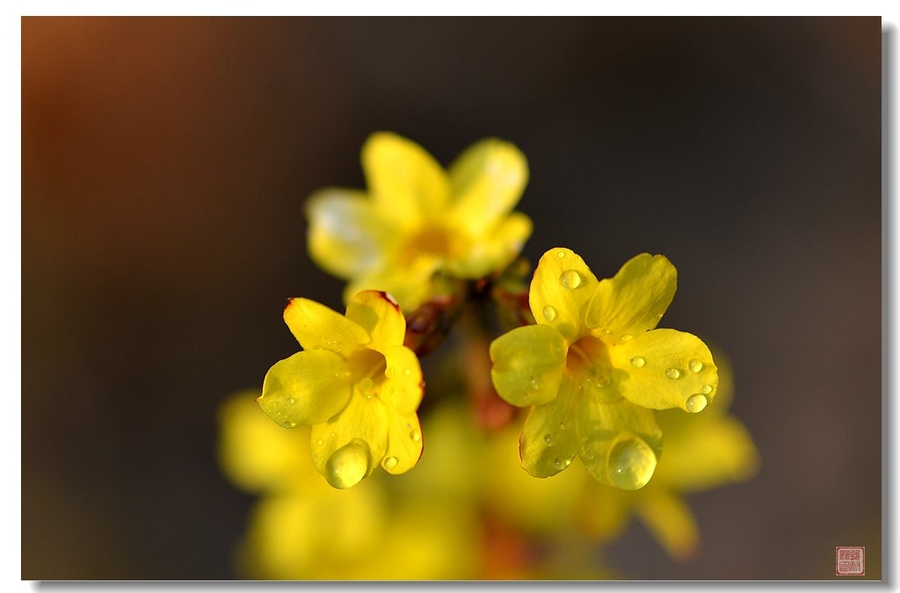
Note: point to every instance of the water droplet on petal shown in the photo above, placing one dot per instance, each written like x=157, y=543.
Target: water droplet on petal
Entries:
x=626, y=338
x=570, y=279
x=560, y=463
x=389, y=388
x=603, y=381
x=407, y=372
x=289, y=424
x=562, y=425
x=696, y=403
x=548, y=439
x=673, y=373
x=696, y=366
x=389, y=372
x=706, y=390
x=606, y=331
x=415, y=436
x=631, y=463
x=366, y=384
x=291, y=401
x=390, y=463
x=348, y=465
x=320, y=442
x=560, y=254
x=549, y=313
x=535, y=383
x=638, y=362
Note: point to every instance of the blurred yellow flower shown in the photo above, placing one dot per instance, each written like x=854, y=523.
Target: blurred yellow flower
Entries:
x=355, y=383
x=301, y=528
x=418, y=221
x=594, y=368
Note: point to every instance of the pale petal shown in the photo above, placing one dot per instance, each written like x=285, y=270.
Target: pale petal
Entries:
x=306, y=388
x=665, y=368
x=405, y=182
x=561, y=289
x=528, y=364
x=346, y=236
x=487, y=181
x=494, y=250
x=634, y=300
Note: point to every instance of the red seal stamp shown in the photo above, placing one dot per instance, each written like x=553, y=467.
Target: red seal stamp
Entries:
x=849, y=561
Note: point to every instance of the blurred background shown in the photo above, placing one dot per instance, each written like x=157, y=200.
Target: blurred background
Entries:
x=166, y=161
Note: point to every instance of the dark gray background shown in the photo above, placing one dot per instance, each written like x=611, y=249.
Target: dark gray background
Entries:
x=165, y=162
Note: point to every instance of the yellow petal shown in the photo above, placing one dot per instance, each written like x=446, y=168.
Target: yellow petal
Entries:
x=409, y=286
x=306, y=388
x=346, y=237
x=317, y=327
x=670, y=521
x=665, y=368
x=709, y=450
x=403, y=386
x=549, y=441
x=528, y=364
x=561, y=289
x=351, y=445
x=634, y=300
x=380, y=316
x=494, y=250
x=252, y=451
x=487, y=181
x=404, y=444
x=620, y=442
x=405, y=182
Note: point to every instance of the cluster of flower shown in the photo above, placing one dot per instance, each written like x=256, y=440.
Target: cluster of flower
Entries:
x=572, y=366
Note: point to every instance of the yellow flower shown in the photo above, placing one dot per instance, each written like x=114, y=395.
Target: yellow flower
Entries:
x=594, y=368
x=354, y=383
x=418, y=220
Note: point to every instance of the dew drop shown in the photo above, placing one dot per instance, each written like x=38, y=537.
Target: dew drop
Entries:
x=605, y=331
x=366, y=384
x=638, y=362
x=389, y=388
x=407, y=372
x=389, y=372
x=320, y=442
x=626, y=338
x=348, y=465
x=291, y=401
x=562, y=425
x=548, y=439
x=560, y=254
x=535, y=383
x=570, y=279
x=673, y=373
x=696, y=366
x=415, y=436
x=560, y=463
x=289, y=424
x=549, y=313
x=602, y=381
x=706, y=390
x=696, y=403
x=390, y=463
x=631, y=463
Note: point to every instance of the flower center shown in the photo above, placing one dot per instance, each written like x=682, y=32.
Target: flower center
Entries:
x=432, y=241
x=587, y=362
x=367, y=369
